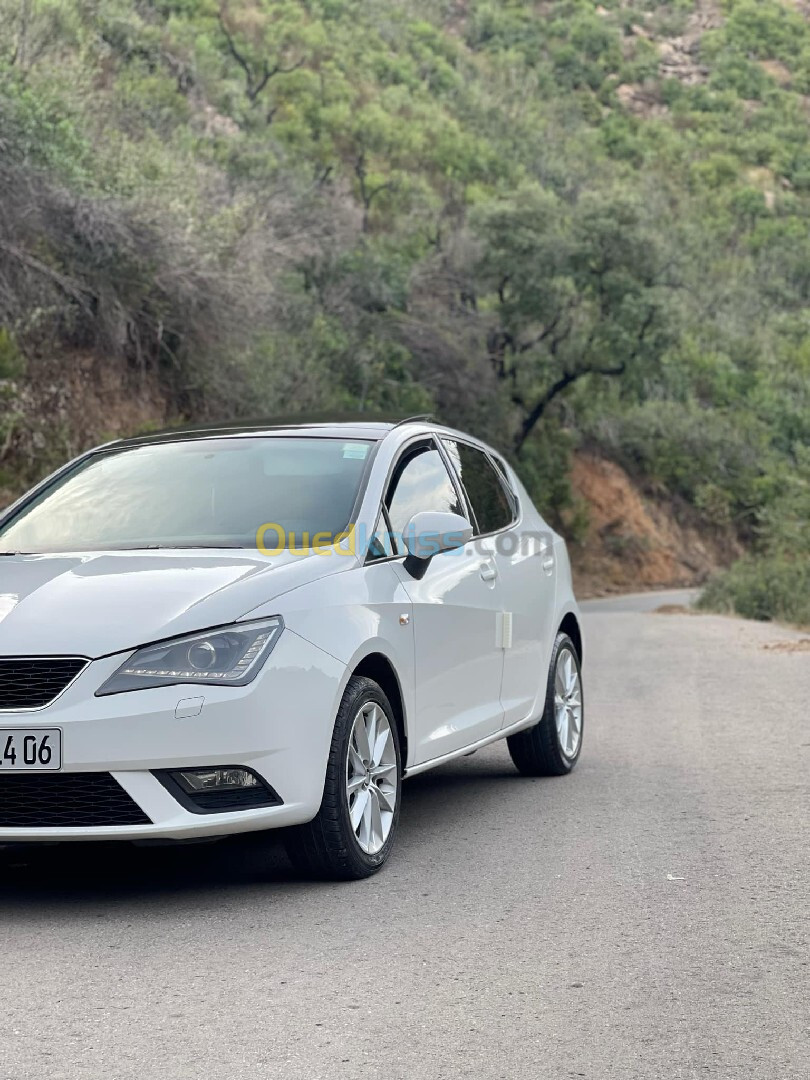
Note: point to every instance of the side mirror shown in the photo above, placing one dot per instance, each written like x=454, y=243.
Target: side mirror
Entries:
x=430, y=532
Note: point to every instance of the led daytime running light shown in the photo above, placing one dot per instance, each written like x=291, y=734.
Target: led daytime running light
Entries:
x=237, y=651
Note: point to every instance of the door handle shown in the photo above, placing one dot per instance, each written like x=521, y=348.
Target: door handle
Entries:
x=548, y=563
x=488, y=571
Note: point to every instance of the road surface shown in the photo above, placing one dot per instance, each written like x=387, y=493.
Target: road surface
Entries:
x=646, y=917
x=643, y=601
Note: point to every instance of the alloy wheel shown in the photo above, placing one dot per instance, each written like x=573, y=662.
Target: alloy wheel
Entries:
x=372, y=781
x=568, y=703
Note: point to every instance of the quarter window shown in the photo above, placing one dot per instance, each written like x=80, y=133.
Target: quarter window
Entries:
x=382, y=542
x=491, y=504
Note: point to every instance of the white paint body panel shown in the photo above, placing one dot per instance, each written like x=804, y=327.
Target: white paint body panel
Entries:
x=457, y=673
x=99, y=603
x=459, y=687
x=529, y=593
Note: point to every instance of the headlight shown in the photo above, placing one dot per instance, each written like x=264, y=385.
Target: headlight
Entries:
x=227, y=656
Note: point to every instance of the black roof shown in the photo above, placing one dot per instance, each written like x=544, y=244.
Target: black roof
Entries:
x=342, y=430
x=351, y=427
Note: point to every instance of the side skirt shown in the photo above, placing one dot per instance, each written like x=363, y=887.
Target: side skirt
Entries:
x=465, y=751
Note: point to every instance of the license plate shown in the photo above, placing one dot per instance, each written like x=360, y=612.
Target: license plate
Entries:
x=27, y=749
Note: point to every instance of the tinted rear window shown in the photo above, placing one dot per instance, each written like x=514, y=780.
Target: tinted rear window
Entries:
x=491, y=504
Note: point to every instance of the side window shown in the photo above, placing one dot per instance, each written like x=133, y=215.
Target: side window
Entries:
x=492, y=505
x=421, y=482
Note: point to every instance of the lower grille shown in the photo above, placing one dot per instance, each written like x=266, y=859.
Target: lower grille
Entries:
x=31, y=682
x=65, y=800
x=222, y=802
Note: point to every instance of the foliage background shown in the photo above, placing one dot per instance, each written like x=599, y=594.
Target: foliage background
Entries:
x=565, y=225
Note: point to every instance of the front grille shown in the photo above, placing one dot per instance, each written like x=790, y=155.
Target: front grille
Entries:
x=30, y=682
x=65, y=800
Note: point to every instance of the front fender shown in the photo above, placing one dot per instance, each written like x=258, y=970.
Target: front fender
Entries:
x=350, y=616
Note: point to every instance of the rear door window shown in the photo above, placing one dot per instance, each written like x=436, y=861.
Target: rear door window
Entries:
x=491, y=502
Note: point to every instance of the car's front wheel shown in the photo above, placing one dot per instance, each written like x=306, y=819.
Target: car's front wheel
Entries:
x=552, y=746
x=353, y=832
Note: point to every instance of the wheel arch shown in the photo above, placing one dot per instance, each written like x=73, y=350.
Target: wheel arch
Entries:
x=377, y=666
x=570, y=625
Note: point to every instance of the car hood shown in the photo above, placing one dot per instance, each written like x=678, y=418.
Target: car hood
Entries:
x=100, y=603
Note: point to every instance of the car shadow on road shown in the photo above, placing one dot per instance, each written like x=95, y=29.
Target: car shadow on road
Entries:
x=436, y=807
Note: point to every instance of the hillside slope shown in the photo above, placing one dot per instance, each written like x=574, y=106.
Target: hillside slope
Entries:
x=631, y=541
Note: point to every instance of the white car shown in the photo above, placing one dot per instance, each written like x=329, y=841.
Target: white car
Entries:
x=234, y=630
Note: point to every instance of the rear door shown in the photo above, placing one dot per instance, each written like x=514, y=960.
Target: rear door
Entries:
x=524, y=571
x=455, y=608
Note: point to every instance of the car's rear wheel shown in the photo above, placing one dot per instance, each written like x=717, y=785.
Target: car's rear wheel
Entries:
x=553, y=745
x=353, y=832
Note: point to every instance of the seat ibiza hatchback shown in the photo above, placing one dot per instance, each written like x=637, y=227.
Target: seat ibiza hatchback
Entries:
x=236, y=630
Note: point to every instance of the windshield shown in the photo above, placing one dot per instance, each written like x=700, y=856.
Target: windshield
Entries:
x=200, y=493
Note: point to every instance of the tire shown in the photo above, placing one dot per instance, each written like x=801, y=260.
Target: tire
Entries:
x=539, y=751
x=330, y=846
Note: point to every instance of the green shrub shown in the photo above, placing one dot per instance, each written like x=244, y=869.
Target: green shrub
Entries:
x=765, y=28
x=762, y=588
x=12, y=361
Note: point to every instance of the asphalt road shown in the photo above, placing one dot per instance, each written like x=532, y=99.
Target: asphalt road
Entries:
x=645, y=917
x=643, y=601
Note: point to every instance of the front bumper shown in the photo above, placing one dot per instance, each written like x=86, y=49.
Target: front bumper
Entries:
x=280, y=725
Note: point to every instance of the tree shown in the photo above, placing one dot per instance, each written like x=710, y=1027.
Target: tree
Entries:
x=575, y=289
x=265, y=40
